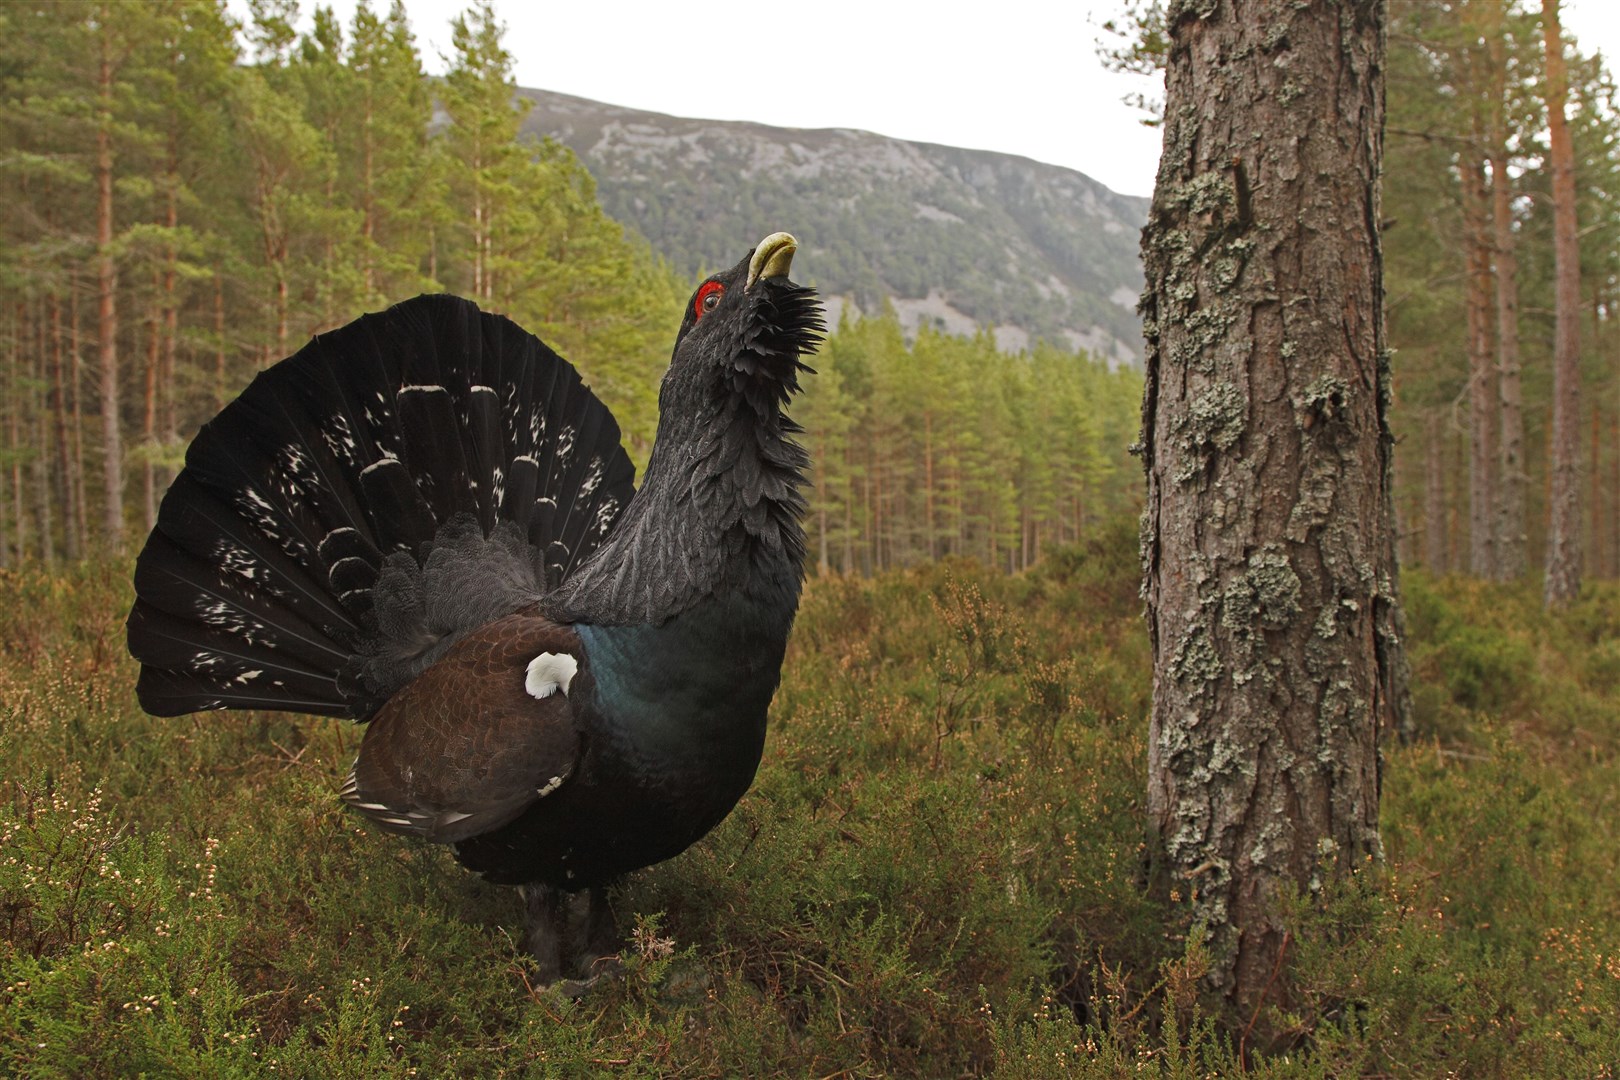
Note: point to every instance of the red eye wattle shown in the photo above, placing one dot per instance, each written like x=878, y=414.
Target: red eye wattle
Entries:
x=707, y=298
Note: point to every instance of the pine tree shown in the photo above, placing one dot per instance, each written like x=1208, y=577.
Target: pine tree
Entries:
x=477, y=95
x=1563, y=578
x=387, y=165
x=1267, y=539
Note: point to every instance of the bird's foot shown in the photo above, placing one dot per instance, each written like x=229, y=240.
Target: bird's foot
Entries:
x=562, y=930
x=604, y=969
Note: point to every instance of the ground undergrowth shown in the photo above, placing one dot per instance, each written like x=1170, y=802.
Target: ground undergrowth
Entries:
x=937, y=872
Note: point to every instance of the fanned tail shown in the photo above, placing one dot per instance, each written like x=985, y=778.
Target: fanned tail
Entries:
x=394, y=484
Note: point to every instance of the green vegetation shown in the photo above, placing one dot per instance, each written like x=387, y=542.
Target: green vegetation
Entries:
x=936, y=872
x=917, y=454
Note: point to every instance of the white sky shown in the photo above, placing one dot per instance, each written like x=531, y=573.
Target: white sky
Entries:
x=1018, y=76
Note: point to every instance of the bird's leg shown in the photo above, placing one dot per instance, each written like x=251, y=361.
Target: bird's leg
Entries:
x=599, y=936
x=543, y=914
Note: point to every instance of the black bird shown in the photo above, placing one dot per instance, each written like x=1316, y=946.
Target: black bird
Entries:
x=424, y=520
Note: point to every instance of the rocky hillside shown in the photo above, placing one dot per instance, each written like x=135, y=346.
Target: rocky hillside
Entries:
x=956, y=238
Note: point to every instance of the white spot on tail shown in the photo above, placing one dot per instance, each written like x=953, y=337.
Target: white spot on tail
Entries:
x=550, y=672
x=420, y=389
x=551, y=785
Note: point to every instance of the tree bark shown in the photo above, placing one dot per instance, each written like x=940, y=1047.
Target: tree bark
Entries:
x=1614, y=496
x=1563, y=578
x=39, y=439
x=112, y=520
x=149, y=412
x=1270, y=574
x=19, y=516
x=1434, y=494
x=1512, y=540
x=171, y=310
x=81, y=503
x=61, y=448
x=1482, y=387
x=1594, y=511
x=219, y=341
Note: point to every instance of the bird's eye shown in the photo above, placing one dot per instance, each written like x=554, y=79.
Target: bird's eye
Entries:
x=708, y=298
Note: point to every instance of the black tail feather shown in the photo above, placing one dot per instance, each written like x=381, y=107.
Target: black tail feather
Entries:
x=273, y=577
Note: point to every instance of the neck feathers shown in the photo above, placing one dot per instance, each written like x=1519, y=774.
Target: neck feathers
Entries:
x=718, y=516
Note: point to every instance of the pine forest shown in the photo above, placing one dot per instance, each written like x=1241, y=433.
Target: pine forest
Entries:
x=181, y=215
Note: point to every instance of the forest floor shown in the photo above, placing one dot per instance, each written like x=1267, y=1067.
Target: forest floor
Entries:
x=937, y=872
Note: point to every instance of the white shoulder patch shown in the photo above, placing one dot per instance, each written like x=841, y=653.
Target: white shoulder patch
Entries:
x=550, y=672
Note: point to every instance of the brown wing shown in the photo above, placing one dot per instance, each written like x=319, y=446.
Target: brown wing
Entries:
x=467, y=745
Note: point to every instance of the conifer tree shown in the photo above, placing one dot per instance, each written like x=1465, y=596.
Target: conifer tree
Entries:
x=387, y=166
x=481, y=140
x=1563, y=577
x=1267, y=539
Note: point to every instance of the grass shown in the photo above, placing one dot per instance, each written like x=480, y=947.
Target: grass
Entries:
x=935, y=874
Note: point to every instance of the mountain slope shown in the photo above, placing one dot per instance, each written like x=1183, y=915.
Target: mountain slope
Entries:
x=959, y=238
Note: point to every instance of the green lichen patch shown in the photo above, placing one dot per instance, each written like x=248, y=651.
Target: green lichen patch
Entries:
x=1206, y=193
x=1218, y=417
x=1325, y=398
x=1276, y=587
x=1196, y=665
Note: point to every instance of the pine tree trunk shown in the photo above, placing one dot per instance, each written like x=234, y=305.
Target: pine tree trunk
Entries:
x=877, y=519
x=112, y=519
x=219, y=342
x=1434, y=495
x=849, y=518
x=368, y=191
x=1614, y=495
x=60, y=445
x=928, y=483
x=1563, y=579
x=475, y=167
x=149, y=410
x=165, y=428
x=19, y=516
x=81, y=501
x=283, y=305
x=40, y=439
x=1512, y=558
x=1482, y=421
x=1594, y=510
x=1271, y=583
